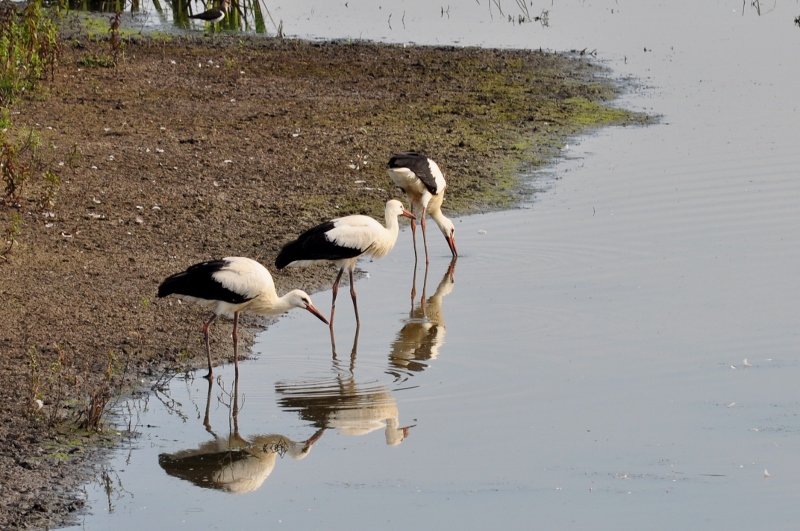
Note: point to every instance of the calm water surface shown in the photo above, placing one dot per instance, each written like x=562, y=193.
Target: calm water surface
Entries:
x=583, y=367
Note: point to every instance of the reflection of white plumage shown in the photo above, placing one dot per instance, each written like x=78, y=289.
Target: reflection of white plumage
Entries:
x=230, y=286
x=345, y=405
x=360, y=413
x=423, y=182
x=233, y=464
x=421, y=337
x=342, y=241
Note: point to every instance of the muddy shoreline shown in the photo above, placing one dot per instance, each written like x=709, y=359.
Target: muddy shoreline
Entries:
x=192, y=149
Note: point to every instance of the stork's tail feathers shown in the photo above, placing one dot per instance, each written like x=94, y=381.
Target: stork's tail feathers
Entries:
x=187, y=282
x=288, y=254
x=173, y=284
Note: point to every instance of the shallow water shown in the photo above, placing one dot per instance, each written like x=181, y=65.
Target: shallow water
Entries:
x=585, y=366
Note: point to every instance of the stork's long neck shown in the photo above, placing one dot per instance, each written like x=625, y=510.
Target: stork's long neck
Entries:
x=270, y=304
x=385, y=243
x=282, y=304
x=392, y=228
x=439, y=218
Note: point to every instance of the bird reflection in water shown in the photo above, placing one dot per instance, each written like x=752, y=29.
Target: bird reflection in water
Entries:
x=343, y=404
x=233, y=464
x=423, y=334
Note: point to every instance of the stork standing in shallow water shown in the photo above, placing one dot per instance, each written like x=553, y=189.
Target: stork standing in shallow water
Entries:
x=423, y=182
x=342, y=241
x=233, y=285
x=215, y=14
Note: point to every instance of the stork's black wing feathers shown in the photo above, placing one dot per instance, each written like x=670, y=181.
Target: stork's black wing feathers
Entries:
x=314, y=245
x=198, y=281
x=213, y=14
x=418, y=163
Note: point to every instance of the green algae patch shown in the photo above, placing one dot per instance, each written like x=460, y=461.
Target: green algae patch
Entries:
x=484, y=115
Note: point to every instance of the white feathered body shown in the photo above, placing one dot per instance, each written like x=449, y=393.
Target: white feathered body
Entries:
x=343, y=240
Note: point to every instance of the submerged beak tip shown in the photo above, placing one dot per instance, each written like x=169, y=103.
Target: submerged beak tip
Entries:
x=452, y=243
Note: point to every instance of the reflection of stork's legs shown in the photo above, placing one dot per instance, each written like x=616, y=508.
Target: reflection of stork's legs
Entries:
x=206, y=420
x=354, y=352
x=235, y=411
x=236, y=344
x=413, y=287
x=333, y=344
x=234, y=439
x=424, y=287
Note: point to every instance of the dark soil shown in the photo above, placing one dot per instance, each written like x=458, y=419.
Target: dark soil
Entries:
x=196, y=149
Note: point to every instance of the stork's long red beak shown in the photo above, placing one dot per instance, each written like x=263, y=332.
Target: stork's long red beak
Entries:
x=316, y=312
x=408, y=214
x=451, y=241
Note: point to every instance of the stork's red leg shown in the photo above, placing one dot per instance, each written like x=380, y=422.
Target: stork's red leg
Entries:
x=335, y=291
x=353, y=294
x=424, y=237
x=206, y=326
x=414, y=237
x=236, y=343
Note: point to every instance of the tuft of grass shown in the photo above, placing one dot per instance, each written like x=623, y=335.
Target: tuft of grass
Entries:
x=50, y=187
x=97, y=61
x=96, y=27
x=50, y=386
x=5, y=120
x=16, y=165
x=91, y=417
x=11, y=232
x=22, y=168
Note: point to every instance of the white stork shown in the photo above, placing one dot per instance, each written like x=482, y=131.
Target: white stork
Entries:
x=423, y=182
x=215, y=14
x=342, y=241
x=233, y=285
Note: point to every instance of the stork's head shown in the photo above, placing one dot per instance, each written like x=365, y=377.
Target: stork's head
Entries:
x=395, y=208
x=449, y=231
x=300, y=299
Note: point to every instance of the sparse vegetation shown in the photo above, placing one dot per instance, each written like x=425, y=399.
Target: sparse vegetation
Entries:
x=22, y=169
x=11, y=232
x=91, y=415
x=114, y=41
x=116, y=44
x=29, y=47
x=16, y=165
x=55, y=388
